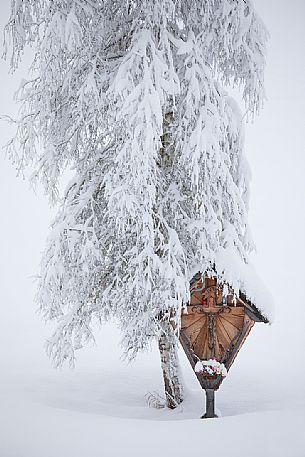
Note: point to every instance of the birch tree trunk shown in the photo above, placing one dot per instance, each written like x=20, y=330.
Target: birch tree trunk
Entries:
x=170, y=366
x=168, y=340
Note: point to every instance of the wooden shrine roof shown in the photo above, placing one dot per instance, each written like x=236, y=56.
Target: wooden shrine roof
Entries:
x=252, y=310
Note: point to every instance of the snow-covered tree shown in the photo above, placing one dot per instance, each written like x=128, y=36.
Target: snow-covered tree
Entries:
x=130, y=95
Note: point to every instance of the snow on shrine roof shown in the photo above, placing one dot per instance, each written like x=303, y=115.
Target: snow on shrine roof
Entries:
x=243, y=278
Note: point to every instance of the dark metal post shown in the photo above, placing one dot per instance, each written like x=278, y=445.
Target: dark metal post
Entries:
x=210, y=404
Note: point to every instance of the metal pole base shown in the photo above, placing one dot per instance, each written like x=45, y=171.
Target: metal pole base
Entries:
x=208, y=417
x=210, y=404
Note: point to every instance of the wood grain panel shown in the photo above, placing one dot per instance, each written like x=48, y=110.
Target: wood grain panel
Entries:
x=189, y=319
x=227, y=321
x=227, y=324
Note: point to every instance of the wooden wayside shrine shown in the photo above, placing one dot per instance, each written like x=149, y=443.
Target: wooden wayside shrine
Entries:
x=215, y=326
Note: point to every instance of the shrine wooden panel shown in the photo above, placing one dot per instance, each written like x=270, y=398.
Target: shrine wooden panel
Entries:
x=215, y=324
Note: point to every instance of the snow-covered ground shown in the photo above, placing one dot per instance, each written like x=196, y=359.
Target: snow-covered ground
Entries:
x=100, y=408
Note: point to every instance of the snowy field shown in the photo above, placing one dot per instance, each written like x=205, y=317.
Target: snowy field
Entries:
x=100, y=408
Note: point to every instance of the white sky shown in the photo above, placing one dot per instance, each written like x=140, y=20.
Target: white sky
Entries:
x=275, y=149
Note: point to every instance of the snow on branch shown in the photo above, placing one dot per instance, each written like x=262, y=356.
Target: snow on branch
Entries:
x=130, y=96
